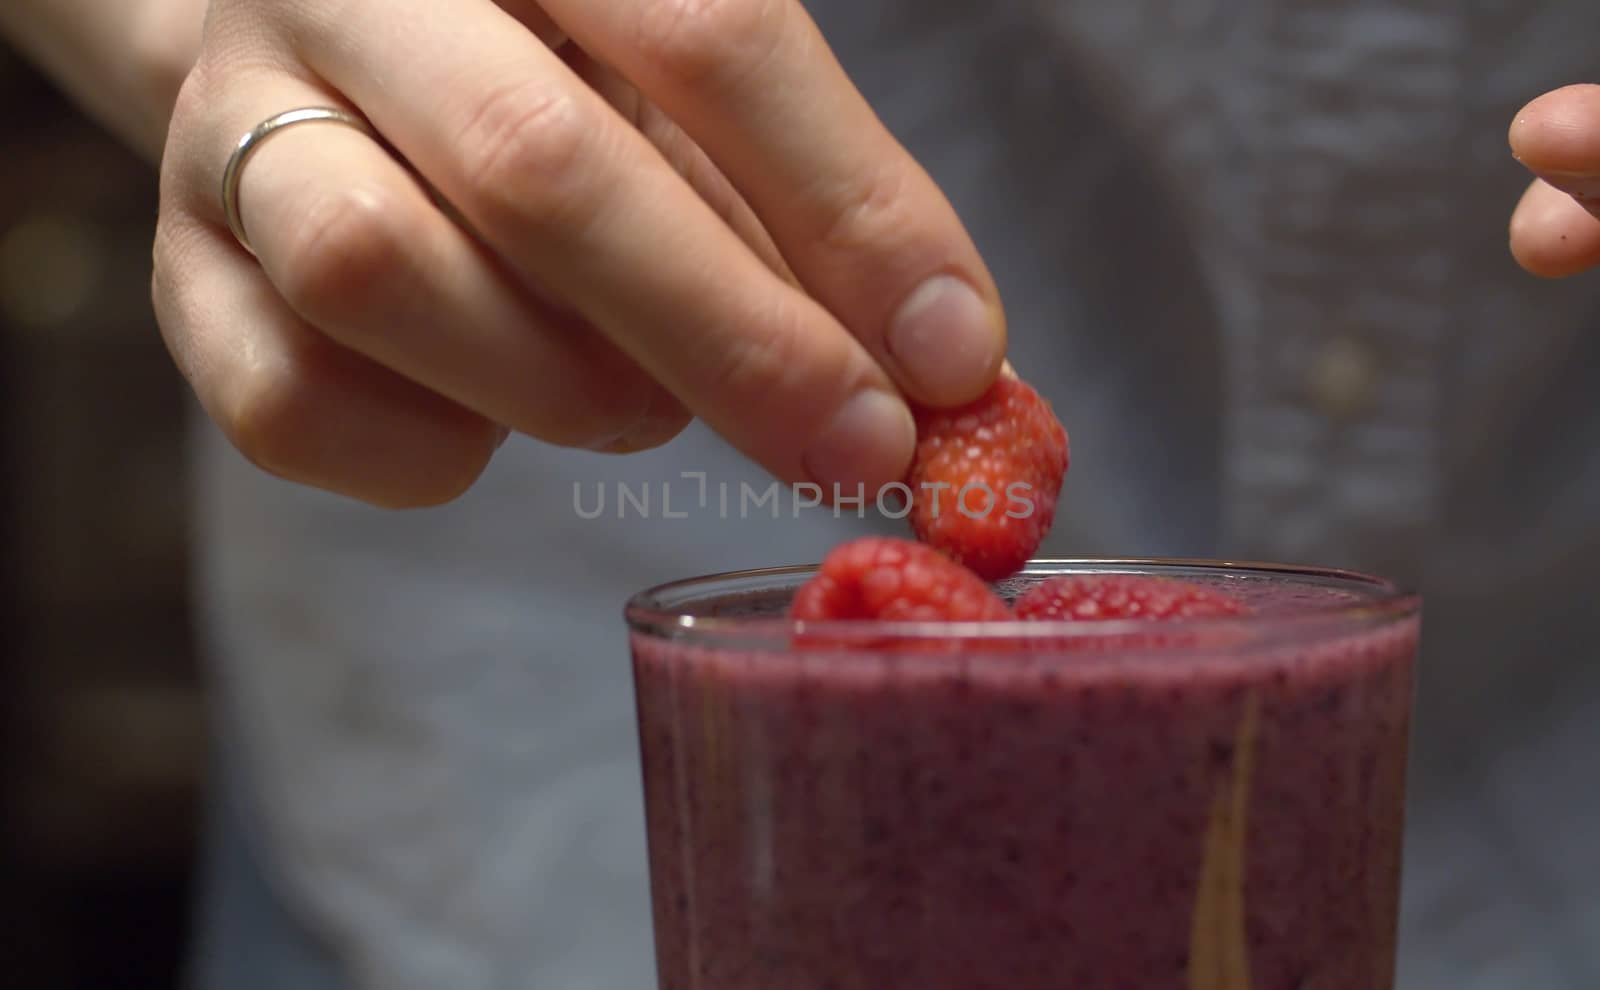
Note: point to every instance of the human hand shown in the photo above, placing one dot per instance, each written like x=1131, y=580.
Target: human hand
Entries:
x=685, y=209
x=1555, y=230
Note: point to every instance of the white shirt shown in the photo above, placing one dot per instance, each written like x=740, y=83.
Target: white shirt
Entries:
x=1255, y=254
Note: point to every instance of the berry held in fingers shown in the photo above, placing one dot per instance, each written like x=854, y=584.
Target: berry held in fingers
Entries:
x=986, y=476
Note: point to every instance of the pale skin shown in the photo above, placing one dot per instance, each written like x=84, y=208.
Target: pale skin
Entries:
x=669, y=208
x=1554, y=229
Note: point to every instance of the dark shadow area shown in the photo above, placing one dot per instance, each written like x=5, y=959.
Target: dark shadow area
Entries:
x=102, y=731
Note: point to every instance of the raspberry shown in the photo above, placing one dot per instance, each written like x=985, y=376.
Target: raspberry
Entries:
x=895, y=580
x=1085, y=598
x=986, y=476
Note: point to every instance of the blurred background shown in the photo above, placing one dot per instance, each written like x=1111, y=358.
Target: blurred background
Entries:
x=102, y=753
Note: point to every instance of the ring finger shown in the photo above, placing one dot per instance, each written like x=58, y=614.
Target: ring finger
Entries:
x=356, y=247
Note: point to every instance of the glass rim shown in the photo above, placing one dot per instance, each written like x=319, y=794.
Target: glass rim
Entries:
x=1384, y=599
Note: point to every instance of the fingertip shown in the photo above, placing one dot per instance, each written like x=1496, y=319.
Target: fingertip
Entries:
x=1551, y=235
x=1559, y=131
x=946, y=341
x=868, y=442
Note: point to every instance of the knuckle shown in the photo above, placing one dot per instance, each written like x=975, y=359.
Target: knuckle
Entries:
x=610, y=414
x=451, y=476
x=528, y=153
x=263, y=419
x=667, y=418
x=715, y=41
x=276, y=415
x=863, y=212
x=759, y=364
x=349, y=248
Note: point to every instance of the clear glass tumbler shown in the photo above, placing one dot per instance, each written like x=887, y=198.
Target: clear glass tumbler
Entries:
x=1205, y=804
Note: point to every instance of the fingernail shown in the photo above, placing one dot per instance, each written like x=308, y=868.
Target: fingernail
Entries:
x=868, y=442
x=945, y=339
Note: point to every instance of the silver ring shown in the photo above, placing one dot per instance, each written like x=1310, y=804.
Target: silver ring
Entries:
x=251, y=141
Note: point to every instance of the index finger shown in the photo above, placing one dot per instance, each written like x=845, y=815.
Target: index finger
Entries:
x=863, y=226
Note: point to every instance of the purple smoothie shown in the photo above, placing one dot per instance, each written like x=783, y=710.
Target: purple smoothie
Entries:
x=1219, y=811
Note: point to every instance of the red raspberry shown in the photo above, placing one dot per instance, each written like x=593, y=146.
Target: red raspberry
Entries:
x=895, y=580
x=985, y=478
x=1091, y=597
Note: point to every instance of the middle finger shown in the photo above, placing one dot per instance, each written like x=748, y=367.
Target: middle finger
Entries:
x=559, y=185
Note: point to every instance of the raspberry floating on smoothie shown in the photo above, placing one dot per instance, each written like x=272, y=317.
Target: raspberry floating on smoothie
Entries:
x=1085, y=598
x=896, y=581
x=986, y=476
